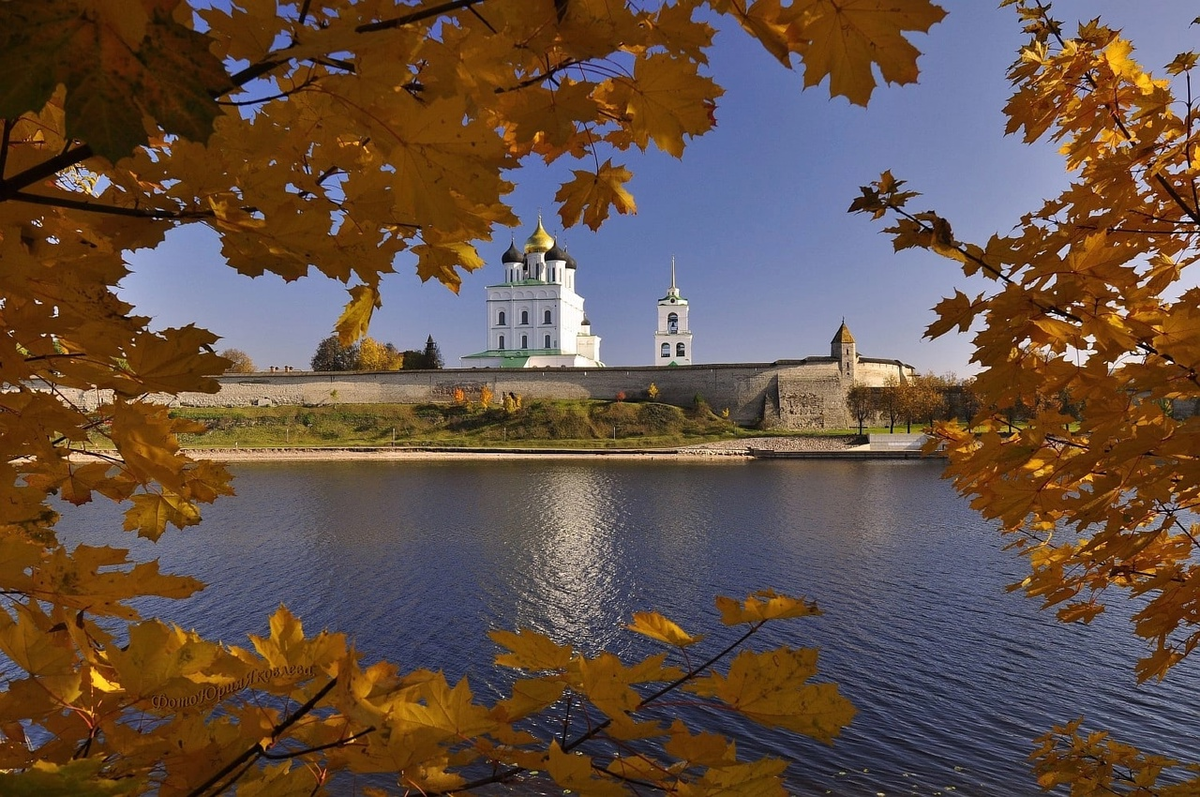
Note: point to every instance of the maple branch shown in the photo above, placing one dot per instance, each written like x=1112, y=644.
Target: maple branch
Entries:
x=111, y=210
x=671, y=687
x=308, y=81
x=8, y=127
x=318, y=748
x=479, y=16
x=1190, y=372
x=548, y=74
x=258, y=751
x=595, y=730
x=43, y=170
x=416, y=16
x=257, y=70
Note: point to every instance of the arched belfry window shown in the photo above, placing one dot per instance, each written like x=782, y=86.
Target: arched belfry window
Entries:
x=524, y=316
x=673, y=323
x=524, y=341
x=547, y=320
x=501, y=346
x=666, y=350
x=501, y=321
x=680, y=350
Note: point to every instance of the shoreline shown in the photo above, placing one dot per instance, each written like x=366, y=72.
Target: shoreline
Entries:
x=744, y=449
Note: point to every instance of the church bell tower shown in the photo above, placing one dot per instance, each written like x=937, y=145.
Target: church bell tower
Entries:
x=673, y=338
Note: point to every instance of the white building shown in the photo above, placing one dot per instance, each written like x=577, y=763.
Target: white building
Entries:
x=535, y=317
x=673, y=338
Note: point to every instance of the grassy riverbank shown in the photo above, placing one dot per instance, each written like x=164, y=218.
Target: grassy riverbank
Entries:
x=580, y=423
x=577, y=424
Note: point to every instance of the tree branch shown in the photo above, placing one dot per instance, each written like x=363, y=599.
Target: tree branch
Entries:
x=111, y=210
x=591, y=733
x=8, y=126
x=244, y=76
x=43, y=170
x=318, y=748
x=258, y=751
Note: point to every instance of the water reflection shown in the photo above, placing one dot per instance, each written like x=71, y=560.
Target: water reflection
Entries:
x=952, y=675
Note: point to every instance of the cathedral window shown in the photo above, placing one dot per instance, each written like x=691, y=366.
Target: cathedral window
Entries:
x=524, y=341
x=673, y=323
x=680, y=350
x=501, y=321
x=666, y=350
x=547, y=342
x=501, y=346
x=524, y=317
x=547, y=321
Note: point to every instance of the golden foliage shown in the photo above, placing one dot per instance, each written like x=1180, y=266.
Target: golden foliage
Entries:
x=1091, y=329
x=324, y=137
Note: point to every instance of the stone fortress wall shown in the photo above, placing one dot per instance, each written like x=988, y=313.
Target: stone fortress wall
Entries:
x=809, y=393
x=789, y=394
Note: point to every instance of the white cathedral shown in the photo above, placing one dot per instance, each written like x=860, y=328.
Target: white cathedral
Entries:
x=535, y=317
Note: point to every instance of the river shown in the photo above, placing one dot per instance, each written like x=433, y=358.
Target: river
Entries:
x=952, y=675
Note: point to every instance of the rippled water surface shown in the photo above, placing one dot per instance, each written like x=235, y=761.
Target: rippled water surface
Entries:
x=952, y=676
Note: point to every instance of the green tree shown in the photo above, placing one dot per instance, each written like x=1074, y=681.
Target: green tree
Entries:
x=923, y=399
x=890, y=401
x=333, y=355
x=432, y=356
x=861, y=401
x=412, y=359
x=239, y=361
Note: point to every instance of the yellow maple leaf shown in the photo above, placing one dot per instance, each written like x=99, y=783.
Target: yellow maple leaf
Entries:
x=151, y=512
x=847, y=39
x=670, y=100
x=608, y=684
x=529, y=650
x=590, y=195
x=764, y=605
x=655, y=626
x=529, y=696
x=574, y=772
x=356, y=317
x=771, y=688
x=762, y=778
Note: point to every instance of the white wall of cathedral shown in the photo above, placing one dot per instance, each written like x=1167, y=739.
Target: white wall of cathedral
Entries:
x=533, y=317
x=588, y=346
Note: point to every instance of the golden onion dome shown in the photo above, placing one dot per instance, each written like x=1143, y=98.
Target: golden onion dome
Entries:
x=540, y=241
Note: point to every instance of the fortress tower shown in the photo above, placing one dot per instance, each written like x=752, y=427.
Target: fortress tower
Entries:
x=845, y=351
x=673, y=338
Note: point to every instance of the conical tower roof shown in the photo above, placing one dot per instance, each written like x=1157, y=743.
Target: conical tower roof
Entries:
x=843, y=334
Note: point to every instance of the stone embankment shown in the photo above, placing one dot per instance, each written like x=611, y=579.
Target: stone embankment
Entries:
x=743, y=447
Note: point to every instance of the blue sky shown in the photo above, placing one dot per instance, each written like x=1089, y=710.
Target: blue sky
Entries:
x=754, y=214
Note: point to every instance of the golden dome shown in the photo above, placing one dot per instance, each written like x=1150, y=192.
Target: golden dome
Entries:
x=540, y=241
